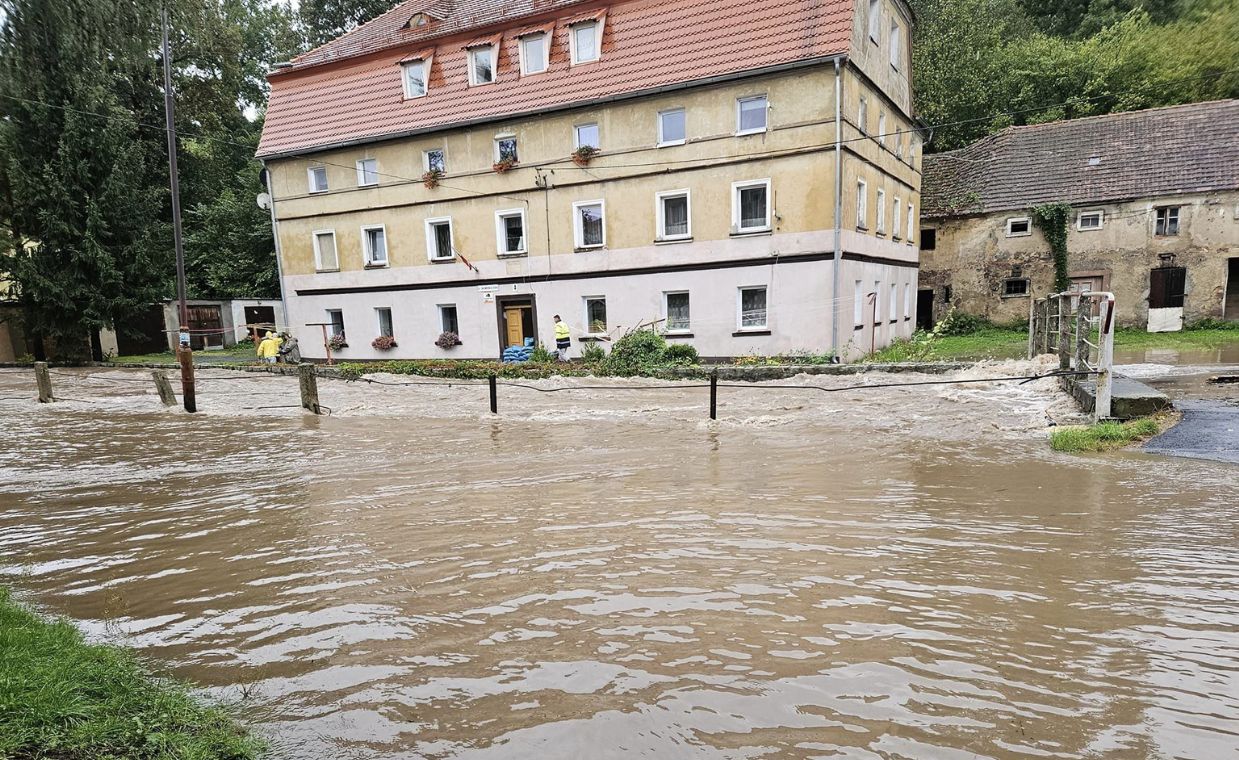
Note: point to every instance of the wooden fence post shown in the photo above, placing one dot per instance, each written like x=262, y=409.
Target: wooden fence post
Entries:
x=164, y=386
x=44, y=380
x=1064, y=331
x=309, y=387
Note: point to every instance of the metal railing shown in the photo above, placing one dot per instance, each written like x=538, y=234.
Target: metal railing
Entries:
x=1079, y=327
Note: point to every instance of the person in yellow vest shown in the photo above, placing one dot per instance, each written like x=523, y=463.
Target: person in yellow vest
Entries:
x=269, y=348
x=563, y=339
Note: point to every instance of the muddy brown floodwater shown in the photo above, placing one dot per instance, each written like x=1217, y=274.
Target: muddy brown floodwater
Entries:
x=905, y=573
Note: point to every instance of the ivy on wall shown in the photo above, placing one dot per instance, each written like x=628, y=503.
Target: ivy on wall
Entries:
x=1052, y=219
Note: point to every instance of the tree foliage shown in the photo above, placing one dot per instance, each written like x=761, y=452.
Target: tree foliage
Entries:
x=324, y=20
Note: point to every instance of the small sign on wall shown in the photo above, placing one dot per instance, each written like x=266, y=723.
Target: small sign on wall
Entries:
x=488, y=297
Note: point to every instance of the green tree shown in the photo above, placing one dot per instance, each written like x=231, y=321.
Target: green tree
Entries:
x=324, y=20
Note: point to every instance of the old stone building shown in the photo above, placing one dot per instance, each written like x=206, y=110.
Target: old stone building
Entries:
x=745, y=175
x=1155, y=216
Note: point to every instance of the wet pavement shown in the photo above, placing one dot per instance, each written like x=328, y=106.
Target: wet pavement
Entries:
x=900, y=573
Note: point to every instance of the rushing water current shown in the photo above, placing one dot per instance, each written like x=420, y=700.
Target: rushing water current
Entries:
x=906, y=573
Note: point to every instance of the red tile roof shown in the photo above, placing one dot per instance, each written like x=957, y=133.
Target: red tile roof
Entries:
x=324, y=101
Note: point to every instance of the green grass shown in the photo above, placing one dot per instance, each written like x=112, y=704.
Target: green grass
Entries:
x=238, y=354
x=64, y=699
x=1103, y=436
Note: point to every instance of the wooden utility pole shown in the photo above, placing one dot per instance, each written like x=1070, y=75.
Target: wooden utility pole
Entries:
x=184, y=350
x=44, y=380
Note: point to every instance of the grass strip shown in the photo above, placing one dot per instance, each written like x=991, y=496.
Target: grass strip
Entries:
x=63, y=698
x=1103, y=436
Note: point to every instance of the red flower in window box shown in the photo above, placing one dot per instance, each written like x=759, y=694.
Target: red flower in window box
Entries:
x=504, y=164
x=431, y=179
x=383, y=343
x=584, y=154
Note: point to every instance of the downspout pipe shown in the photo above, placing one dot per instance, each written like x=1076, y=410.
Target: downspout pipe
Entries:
x=836, y=273
x=275, y=234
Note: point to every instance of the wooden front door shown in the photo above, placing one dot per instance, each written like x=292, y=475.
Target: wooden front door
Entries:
x=514, y=321
x=205, y=327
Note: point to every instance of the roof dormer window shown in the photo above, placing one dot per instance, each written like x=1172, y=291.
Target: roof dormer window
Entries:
x=535, y=53
x=585, y=39
x=482, y=64
x=416, y=75
x=421, y=20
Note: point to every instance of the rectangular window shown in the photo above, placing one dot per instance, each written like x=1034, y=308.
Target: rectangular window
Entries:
x=751, y=115
x=911, y=222
x=875, y=19
x=877, y=295
x=673, y=215
x=881, y=211
x=929, y=239
x=335, y=321
x=415, y=79
x=585, y=42
x=862, y=204
x=586, y=135
x=435, y=160
x=510, y=231
x=882, y=129
x=374, y=245
x=862, y=116
x=325, y=258
x=505, y=149
x=439, y=239
x=896, y=219
x=896, y=45
x=596, y=315
x=752, y=308
x=1167, y=221
x=1015, y=286
x=318, y=179
x=677, y=312
x=907, y=301
x=448, y=321
x=534, y=51
x=1089, y=220
x=481, y=65
x=367, y=172
x=750, y=206
x=893, y=307
x=1019, y=226
x=671, y=127
x=589, y=224
x=899, y=143
x=385, y=326
x=858, y=305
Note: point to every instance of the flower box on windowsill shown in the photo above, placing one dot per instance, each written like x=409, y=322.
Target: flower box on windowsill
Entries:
x=584, y=154
x=383, y=343
x=431, y=179
x=504, y=165
x=448, y=341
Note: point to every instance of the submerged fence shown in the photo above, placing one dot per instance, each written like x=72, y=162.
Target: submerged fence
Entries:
x=1079, y=327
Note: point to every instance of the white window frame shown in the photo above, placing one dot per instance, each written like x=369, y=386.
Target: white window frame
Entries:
x=667, y=313
x=318, y=254
x=578, y=229
x=663, y=142
x=426, y=158
x=544, y=63
x=331, y=333
x=911, y=224
x=893, y=307
x=1101, y=220
x=882, y=128
x=862, y=204
x=405, y=68
x=366, y=253
x=471, y=55
x=881, y=204
x=898, y=142
x=896, y=45
x=378, y=318
x=660, y=214
x=736, y=187
x=858, y=305
x=576, y=133
x=740, y=326
x=1013, y=220
x=907, y=301
x=862, y=115
x=896, y=219
x=875, y=21
x=501, y=235
x=361, y=172
x=430, y=238
x=573, y=52
x=500, y=138
x=442, y=326
x=766, y=113
x=585, y=309
x=310, y=173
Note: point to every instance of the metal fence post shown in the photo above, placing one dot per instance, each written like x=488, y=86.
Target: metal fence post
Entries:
x=44, y=380
x=714, y=394
x=494, y=395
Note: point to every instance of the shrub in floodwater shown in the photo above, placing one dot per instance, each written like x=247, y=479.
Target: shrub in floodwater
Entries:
x=638, y=352
x=1103, y=436
x=680, y=354
x=63, y=698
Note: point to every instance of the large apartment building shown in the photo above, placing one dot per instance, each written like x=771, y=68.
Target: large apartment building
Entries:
x=742, y=175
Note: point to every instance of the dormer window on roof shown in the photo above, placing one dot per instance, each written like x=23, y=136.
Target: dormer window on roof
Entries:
x=585, y=37
x=421, y=20
x=535, y=53
x=416, y=75
x=483, y=59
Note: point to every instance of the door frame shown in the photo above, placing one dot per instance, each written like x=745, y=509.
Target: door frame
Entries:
x=504, y=301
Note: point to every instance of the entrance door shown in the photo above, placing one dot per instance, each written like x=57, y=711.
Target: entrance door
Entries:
x=517, y=315
x=205, y=327
x=925, y=309
x=513, y=319
x=1167, y=286
x=1230, y=307
x=1090, y=284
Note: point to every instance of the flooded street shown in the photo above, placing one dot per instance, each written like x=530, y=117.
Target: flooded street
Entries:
x=904, y=573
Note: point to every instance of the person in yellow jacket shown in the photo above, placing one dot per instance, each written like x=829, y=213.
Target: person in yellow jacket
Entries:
x=269, y=348
x=563, y=339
